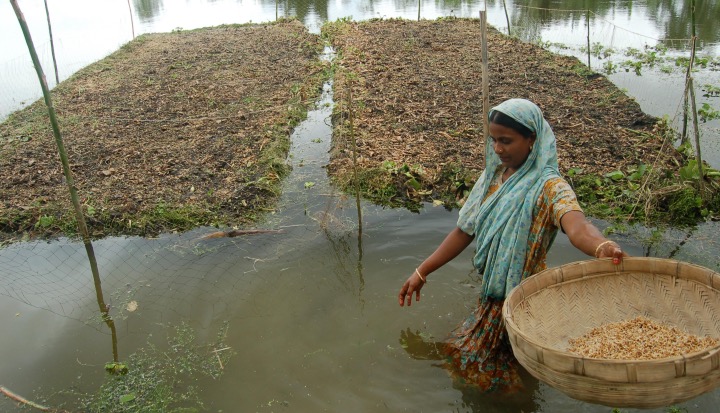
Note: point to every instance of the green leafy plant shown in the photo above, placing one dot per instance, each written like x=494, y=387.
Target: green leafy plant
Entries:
x=158, y=379
x=609, y=67
x=623, y=195
x=635, y=65
x=413, y=173
x=46, y=221
x=711, y=90
x=708, y=113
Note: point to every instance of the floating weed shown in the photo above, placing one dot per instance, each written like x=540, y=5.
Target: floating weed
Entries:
x=708, y=113
x=158, y=379
x=674, y=199
x=609, y=67
x=711, y=90
x=634, y=65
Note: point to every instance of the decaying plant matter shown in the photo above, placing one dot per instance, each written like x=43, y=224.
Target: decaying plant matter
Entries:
x=170, y=132
x=417, y=98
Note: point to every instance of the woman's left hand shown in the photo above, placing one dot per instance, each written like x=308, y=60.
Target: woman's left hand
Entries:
x=611, y=249
x=587, y=238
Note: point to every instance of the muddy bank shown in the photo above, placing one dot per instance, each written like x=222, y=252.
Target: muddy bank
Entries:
x=172, y=131
x=414, y=93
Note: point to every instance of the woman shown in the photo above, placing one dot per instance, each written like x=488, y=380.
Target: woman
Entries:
x=513, y=213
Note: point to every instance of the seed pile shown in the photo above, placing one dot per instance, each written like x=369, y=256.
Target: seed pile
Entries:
x=638, y=339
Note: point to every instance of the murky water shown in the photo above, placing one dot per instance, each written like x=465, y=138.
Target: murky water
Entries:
x=312, y=309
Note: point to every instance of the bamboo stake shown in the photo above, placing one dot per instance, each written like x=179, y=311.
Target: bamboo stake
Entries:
x=691, y=91
x=82, y=226
x=52, y=43
x=683, y=135
x=419, y=9
x=507, y=18
x=587, y=23
x=354, y=160
x=692, y=17
x=132, y=22
x=701, y=180
x=485, y=82
x=16, y=397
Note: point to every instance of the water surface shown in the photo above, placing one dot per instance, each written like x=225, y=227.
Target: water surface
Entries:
x=312, y=310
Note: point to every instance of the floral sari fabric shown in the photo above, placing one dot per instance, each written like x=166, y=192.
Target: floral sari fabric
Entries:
x=478, y=351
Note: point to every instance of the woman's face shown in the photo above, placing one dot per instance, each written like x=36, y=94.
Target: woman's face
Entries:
x=510, y=146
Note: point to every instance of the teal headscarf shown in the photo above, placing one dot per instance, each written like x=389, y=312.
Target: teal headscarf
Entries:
x=502, y=223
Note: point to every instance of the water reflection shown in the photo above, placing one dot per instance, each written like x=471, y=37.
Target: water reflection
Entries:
x=672, y=19
x=303, y=9
x=677, y=14
x=314, y=307
x=524, y=400
x=147, y=10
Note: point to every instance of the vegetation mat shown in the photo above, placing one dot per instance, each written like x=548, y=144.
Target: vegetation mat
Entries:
x=409, y=116
x=172, y=131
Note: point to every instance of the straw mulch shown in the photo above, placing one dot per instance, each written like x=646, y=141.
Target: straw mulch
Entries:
x=414, y=90
x=195, y=122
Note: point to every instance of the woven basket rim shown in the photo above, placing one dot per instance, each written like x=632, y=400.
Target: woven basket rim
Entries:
x=508, y=318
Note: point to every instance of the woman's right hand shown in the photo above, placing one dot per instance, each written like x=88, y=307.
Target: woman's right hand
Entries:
x=453, y=244
x=412, y=285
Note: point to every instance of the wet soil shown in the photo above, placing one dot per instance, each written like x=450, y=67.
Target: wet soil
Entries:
x=191, y=128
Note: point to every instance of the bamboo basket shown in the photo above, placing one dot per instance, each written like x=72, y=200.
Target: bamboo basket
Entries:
x=546, y=310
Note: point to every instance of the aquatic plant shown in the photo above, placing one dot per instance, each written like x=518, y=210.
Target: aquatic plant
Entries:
x=673, y=198
x=156, y=379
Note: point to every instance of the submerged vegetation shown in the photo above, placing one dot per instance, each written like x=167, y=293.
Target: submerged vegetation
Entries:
x=156, y=379
x=160, y=378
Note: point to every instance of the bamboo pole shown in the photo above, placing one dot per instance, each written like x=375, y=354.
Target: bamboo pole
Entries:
x=691, y=88
x=19, y=399
x=507, y=18
x=356, y=179
x=683, y=135
x=692, y=17
x=485, y=82
x=52, y=43
x=419, y=1
x=701, y=181
x=132, y=22
x=587, y=23
x=82, y=226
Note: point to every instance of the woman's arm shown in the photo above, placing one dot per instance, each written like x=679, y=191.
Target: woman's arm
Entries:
x=587, y=238
x=455, y=243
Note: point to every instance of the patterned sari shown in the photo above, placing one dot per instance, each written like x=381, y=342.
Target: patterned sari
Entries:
x=514, y=224
x=478, y=351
